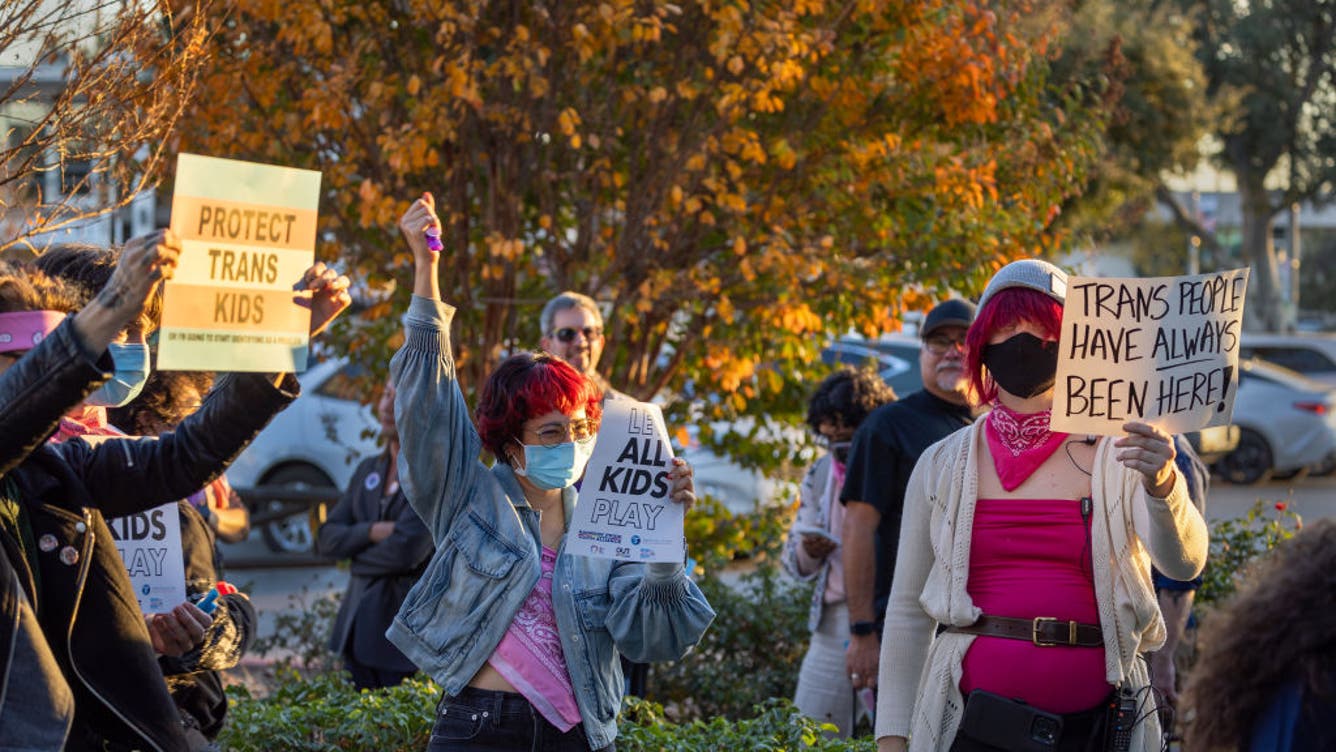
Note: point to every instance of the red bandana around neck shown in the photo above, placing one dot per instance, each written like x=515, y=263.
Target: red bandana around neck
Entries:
x=1019, y=443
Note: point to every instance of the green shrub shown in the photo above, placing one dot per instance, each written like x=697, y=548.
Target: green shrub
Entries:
x=774, y=726
x=326, y=713
x=1235, y=543
x=750, y=653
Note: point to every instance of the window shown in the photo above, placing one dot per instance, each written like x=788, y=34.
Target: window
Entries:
x=346, y=384
x=1301, y=359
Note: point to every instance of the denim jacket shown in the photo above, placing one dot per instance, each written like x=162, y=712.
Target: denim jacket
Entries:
x=487, y=558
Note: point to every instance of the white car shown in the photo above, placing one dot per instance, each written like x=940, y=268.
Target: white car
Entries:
x=1287, y=424
x=313, y=445
x=1313, y=355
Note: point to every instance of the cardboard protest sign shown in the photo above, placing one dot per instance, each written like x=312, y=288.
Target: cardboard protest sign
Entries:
x=624, y=511
x=1164, y=350
x=150, y=545
x=248, y=235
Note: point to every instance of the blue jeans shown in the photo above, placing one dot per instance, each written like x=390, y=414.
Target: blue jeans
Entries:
x=482, y=719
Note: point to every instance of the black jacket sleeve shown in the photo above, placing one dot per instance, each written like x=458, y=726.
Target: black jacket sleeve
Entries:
x=343, y=536
x=53, y=378
x=134, y=474
x=401, y=553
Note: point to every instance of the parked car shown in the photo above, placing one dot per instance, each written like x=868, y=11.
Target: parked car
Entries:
x=895, y=357
x=314, y=444
x=1287, y=423
x=1313, y=355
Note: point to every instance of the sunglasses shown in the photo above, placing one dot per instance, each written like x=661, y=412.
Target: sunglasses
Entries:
x=566, y=334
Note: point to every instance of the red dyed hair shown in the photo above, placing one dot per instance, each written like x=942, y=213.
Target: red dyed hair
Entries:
x=526, y=386
x=1005, y=308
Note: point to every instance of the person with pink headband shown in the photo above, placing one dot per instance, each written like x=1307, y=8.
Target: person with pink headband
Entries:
x=52, y=506
x=49, y=362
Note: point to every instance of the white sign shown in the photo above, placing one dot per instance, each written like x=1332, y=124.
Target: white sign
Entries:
x=150, y=545
x=1163, y=350
x=248, y=233
x=624, y=510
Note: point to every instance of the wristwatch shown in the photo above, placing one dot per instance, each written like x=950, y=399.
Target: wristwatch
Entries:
x=861, y=628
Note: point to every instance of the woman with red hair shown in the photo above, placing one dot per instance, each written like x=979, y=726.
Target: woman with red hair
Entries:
x=1022, y=597
x=523, y=638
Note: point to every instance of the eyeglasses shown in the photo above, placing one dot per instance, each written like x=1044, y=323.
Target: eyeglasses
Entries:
x=938, y=344
x=558, y=433
x=567, y=334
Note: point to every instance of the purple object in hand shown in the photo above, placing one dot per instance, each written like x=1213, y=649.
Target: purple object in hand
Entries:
x=433, y=236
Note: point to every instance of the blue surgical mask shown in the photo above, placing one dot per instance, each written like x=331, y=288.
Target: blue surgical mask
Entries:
x=556, y=466
x=131, y=364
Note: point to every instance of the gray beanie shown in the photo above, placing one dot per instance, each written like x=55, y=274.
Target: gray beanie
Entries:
x=1031, y=273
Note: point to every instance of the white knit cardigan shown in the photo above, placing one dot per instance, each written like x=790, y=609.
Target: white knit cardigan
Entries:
x=919, y=680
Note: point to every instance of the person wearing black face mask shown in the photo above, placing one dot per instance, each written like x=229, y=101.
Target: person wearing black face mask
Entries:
x=811, y=552
x=1030, y=552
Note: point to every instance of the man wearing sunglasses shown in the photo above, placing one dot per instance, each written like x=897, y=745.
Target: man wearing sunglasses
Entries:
x=573, y=331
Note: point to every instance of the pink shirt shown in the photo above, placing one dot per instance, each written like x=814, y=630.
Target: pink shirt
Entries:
x=1028, y=558
x=530, y=657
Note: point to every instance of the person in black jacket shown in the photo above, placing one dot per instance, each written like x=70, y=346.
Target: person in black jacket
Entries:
x=374, y=525
x=36, y=389
x=192, y=674
x=84, y=600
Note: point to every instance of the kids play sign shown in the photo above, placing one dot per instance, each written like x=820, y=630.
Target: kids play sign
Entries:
x=624, y=510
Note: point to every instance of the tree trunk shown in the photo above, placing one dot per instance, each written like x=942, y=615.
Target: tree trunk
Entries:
x=1265, y=304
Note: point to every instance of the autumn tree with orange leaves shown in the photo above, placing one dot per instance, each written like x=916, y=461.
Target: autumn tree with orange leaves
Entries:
x=737, y=180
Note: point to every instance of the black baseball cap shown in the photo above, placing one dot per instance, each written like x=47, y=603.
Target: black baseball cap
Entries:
x=954, y=312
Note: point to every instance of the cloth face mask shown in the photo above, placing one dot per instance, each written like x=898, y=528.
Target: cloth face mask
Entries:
x=556, y=466
x=131, y=374
x=1024, y=365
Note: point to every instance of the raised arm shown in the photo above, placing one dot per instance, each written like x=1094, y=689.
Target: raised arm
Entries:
x=438, y=445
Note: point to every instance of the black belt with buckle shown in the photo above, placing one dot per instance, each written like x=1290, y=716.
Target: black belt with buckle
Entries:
x=1044, y=631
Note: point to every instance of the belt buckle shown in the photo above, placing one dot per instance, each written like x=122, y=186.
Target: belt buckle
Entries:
x=1040, y=642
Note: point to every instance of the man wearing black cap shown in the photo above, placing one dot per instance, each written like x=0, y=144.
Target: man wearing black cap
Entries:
x=884, y=451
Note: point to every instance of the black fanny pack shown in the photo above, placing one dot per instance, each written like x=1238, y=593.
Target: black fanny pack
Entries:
x=1013, y=725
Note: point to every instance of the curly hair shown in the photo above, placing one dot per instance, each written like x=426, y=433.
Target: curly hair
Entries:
x=1007, y=307
x=89, y=268
x=23, y=288
x=167, y=398
x=526, y=386
x=1279, y=627
x=846, y=397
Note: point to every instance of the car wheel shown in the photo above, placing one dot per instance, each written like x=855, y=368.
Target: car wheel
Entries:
x=1250, y=462
x=292, y=534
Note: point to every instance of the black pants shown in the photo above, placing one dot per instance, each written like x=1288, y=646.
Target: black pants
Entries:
x=489, y=721
x=1081, y=732
x=370, y=677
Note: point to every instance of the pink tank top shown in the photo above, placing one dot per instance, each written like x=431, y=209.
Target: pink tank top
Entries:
x=530, y=657
x=1028, y=558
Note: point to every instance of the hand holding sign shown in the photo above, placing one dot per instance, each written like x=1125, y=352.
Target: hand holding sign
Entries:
x=325, y=292
x=635, y=494
x=145, y=261
x=684, y=484
x=1149, y=451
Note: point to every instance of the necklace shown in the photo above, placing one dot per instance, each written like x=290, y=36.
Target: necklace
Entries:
x=1019, y=443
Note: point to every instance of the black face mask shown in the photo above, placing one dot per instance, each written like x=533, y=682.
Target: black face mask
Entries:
x=1023, y=365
